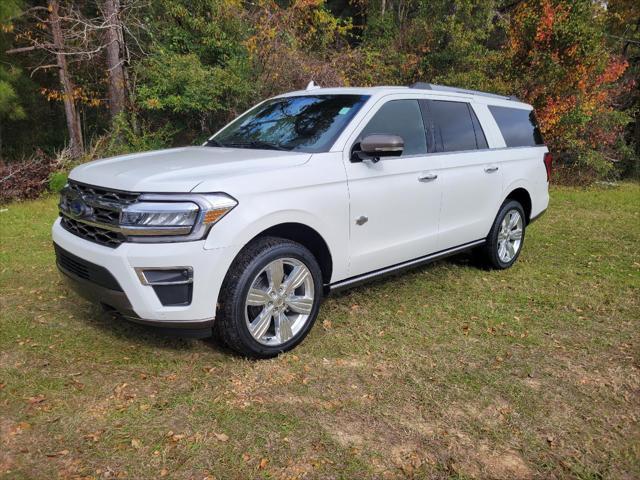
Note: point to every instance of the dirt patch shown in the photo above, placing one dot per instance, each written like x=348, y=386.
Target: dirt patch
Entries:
x=485, y=463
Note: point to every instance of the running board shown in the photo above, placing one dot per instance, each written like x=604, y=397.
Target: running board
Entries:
x=417, y=262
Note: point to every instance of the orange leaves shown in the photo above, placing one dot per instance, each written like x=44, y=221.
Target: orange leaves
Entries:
x=551, y=14
x=79, y=95
x=545, y=27
x=614, y=70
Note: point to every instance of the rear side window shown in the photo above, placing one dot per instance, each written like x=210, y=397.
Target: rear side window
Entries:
x=403, y=118
x=455, y=127
x=518, y=127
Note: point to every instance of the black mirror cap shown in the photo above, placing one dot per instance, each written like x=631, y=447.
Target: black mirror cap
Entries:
x=382, y=145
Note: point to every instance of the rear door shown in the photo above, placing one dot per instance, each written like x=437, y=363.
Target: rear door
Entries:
x=471, y=179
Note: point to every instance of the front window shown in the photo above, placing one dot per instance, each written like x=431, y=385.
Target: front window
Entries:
x=309, y=123
x=402, y=118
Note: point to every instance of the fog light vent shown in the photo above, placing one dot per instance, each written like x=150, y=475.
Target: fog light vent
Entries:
x=173, y=286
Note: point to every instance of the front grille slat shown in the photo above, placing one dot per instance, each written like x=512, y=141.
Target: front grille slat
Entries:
x=106, y=205
x=86, y=270
x=91, y=233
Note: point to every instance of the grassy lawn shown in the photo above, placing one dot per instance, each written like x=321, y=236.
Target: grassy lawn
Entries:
x=445, y=372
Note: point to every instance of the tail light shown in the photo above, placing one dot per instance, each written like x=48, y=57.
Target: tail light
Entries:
x=548, y=162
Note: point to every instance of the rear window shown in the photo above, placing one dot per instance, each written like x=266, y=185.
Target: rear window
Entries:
x=455, y=127
x=519, y=127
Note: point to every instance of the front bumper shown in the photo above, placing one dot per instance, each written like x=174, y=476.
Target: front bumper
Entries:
x=139, y=302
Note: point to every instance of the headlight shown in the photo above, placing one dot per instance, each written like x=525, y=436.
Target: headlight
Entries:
x=160, y=214
x=159, y=217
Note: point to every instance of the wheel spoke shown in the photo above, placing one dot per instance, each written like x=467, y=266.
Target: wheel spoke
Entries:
x=297, y=276
x=261, y=324
x=516, y=234
x=257, y=297
x=513, y=220
x=510, y=250
x=275, y=273
x=502, y=250
x=300, y=304
x=283, y=327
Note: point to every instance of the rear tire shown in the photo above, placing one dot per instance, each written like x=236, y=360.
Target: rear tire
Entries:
x=506, y=237
x=270, y=298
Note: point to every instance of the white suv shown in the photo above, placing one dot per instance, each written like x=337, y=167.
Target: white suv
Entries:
x=305, y=193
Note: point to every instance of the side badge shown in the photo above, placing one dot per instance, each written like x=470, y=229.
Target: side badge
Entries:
x=362, y=220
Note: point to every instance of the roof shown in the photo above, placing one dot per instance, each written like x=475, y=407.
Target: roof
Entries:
x=432, y=89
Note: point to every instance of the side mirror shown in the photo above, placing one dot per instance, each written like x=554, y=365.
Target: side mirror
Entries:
x=373, y=147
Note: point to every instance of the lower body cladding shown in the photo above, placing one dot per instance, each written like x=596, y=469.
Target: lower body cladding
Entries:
x=174, y=286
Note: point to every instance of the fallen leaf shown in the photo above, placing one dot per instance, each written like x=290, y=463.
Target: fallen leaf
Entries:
x=63, y=452
x=223, y=437
x=263, y=463
x=177, y=437
x=135, y=443
x=164, y=472
x=37, y=399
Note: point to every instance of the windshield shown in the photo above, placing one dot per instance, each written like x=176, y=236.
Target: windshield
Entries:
x=309, y=123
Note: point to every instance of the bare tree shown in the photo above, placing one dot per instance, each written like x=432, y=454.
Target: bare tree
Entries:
x=64, y=35
x=76, y=145
x=115, y=60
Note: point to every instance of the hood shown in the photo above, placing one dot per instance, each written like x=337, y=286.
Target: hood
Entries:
x=180, y=170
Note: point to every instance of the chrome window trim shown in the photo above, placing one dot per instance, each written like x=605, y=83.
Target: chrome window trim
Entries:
x=479, y=150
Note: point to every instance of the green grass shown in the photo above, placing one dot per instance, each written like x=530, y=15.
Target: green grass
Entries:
x=446, y=372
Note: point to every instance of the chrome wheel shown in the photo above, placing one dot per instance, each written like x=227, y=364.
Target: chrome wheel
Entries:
x=279, y=301
x=510, y=236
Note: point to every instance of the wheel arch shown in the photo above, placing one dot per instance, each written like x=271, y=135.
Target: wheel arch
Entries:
x=309, y=238
x=522, y=196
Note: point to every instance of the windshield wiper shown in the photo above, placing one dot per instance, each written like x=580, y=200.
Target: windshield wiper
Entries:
x=257, y=144
x=212, y=142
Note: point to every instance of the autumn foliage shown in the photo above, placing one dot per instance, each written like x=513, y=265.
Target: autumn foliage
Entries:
x=191, y=65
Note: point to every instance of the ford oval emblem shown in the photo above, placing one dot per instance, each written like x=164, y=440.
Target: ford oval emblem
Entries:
x=78, y=208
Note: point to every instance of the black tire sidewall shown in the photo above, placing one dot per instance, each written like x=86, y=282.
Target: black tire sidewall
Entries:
x=286, y=249
x=495, y=230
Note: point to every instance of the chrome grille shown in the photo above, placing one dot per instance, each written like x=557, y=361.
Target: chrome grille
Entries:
x=103, y=194
x=103, y=210
x=94, y=234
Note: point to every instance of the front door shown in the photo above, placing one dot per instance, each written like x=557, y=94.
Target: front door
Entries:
x=394, y=203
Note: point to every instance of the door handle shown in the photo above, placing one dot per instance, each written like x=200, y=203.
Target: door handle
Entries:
x=427, y=177
x=491, y=169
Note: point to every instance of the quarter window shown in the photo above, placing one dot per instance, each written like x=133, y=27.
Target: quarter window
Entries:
x=518, y=126
x=402, y=118
x=455, y=127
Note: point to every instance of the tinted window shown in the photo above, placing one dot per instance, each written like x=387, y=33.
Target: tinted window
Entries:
x=453, y=129
x=309, y=123
x=518, y=127
x=481, y=140
x=403, y=118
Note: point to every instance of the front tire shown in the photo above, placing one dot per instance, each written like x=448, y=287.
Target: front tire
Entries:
x=270, y=298
x=506, y=237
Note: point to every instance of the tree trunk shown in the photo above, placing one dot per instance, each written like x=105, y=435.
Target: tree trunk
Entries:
x=76, y=145
x=115, y=61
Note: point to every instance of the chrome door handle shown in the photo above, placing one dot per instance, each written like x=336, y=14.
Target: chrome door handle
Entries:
x=427, y=177
x=491, y=169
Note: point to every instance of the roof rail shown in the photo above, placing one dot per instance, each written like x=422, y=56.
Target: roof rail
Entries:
x=444, y=88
